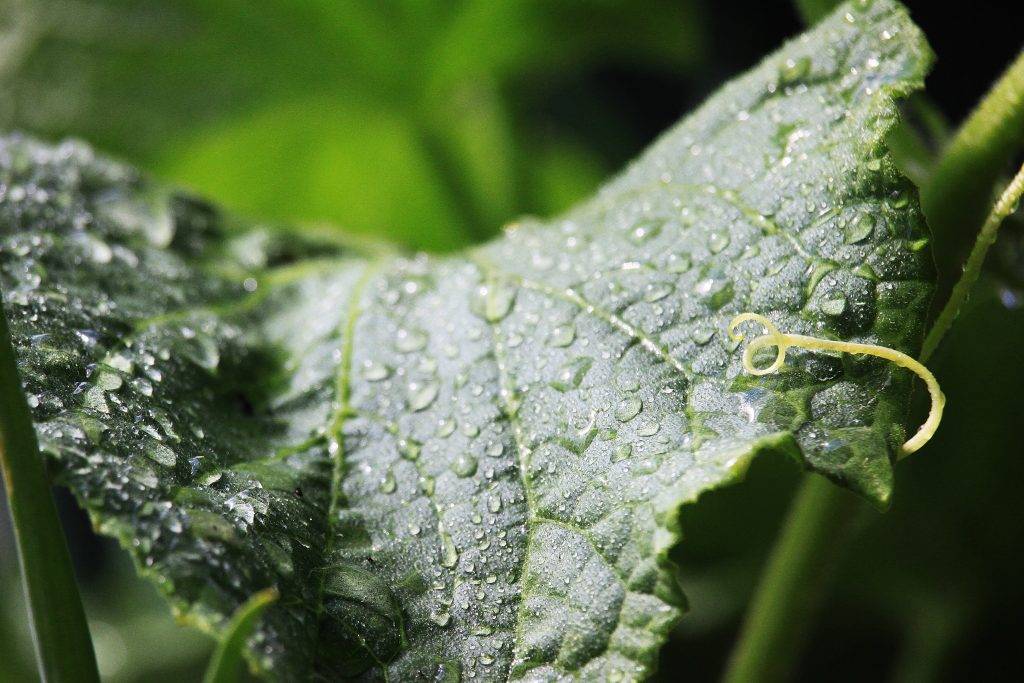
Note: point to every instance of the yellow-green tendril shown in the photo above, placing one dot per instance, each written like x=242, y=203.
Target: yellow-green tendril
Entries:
x=782, y=341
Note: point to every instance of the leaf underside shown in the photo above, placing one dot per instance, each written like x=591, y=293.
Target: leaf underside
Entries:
x=472, y=466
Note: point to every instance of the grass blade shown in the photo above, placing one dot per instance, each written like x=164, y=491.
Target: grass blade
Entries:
x=226, y=663
x=59, y=630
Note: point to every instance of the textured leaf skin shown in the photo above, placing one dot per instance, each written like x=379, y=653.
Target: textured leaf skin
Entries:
x=473, y=465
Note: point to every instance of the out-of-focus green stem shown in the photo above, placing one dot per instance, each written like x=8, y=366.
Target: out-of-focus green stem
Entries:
x=59, y=630
x=957, y=196
x=1005, y=206
x=226, y=664
x=819, y=522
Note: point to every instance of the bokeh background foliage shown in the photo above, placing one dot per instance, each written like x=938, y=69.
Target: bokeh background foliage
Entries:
x=430, y=118
x=431, y=123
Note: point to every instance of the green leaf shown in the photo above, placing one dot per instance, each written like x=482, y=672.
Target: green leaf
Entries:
x=473, y=465
x=368, y=168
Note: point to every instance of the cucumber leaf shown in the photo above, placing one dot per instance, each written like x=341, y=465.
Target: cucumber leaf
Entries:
x=472, y=465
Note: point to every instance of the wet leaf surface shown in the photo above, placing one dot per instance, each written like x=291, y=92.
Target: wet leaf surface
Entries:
x=472, y=466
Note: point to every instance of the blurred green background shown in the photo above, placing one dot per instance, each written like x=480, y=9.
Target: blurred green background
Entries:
x=432, y=123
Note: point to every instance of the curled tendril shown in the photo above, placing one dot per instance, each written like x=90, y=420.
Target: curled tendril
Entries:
x=783, y=341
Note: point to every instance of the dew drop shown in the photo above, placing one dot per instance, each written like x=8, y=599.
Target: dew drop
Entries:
x=409, y=448
x=701, y=335
x=679, y=263
x=98, y=250
x=160, y=453
x=656, y=291
x=562, y=336
x=143, y=386
x=628, y=408
x=648, y=428
x=572, y=373
x=717, y=242
x=95, y=399
x=464, y=466
x=859, y=229
x=375, y=372
x=388, y=483
x=145, y=476
x=445, y=428
x=834, y=306
x=494, y=300
x=793, y=70
x=203, y=351
x=644, y=232
x=108, y=381
x=120, y=362
x=449, y=553
x=410, y=340
x=717, y=292
x=422, y=394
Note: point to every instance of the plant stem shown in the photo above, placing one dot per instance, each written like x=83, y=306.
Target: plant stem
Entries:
x=960, y=188
x=59, y=630
x=1005, y=206
x=226, y=664
x=821, y=518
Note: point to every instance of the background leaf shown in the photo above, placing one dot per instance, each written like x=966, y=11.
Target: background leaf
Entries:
x=394, y=119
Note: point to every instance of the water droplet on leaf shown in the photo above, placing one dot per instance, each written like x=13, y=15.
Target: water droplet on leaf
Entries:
x=628, y=408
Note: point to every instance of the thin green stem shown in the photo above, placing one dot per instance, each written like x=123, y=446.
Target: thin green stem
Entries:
x=821, y=518
x=56, y=618
x=960, y=189
x=1005, y=206
x=226, y=664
